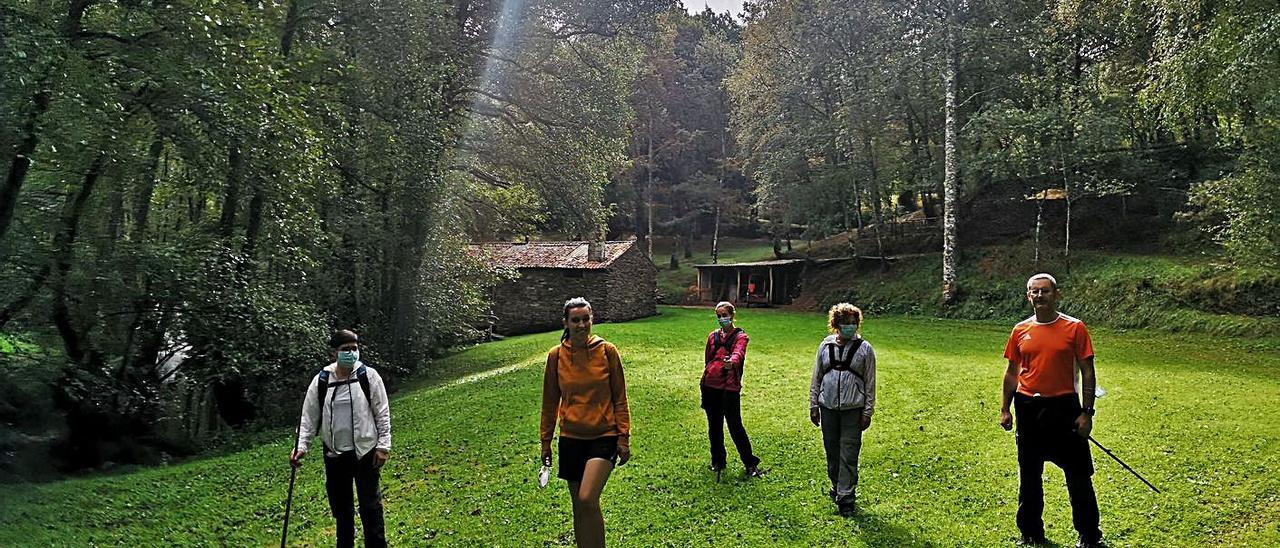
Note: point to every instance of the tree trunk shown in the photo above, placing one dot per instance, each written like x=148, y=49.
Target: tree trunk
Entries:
x=231, y=197
x=949, y=184
x=1066, y=246
x=1039, y=225
x=715, y=238
x=868, y=149
x=142, y=208
x=649, y=188
x=253, y=230
x=675, y=251
x=63, y=250
x=21, y=161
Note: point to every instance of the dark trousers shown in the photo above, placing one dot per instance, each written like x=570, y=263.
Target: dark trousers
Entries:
x=1046, y=432
x=339, y=471
x=842, y=440
x=726, y=406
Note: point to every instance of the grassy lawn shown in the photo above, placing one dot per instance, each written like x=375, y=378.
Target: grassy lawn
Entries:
x=1196, y=415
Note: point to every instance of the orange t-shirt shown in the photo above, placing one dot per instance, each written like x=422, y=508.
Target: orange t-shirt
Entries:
x=583, y=390
x=1046, y=354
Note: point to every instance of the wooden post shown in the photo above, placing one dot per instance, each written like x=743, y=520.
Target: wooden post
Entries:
x=770, y=291
x=737, y=290
x=699, y=285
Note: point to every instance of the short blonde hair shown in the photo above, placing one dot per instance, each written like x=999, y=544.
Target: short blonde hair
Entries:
x=843, y=313
x=729, y=305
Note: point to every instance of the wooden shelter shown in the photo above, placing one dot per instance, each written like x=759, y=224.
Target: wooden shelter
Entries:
x=762, y=283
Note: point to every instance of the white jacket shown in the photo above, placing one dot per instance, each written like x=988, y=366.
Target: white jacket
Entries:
x=841, y=390
x=372, y=429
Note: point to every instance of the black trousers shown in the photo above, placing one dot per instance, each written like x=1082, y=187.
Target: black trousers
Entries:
x=726, y=406
x=339, y=471
x=1046, y=432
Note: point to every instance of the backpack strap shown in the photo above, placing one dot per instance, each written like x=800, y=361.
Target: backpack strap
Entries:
x=322, y=393
x=362, y=375
x=727, y=343
x=835, y=363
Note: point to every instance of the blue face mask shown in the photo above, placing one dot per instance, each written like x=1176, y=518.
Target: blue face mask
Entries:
x=348, y=358
x=724, y=322
x=849, y=332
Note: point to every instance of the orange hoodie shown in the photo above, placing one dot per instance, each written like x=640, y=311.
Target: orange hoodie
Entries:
x=585, y=390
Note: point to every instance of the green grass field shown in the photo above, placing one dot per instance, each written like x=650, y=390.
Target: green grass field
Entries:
x=1198, y=416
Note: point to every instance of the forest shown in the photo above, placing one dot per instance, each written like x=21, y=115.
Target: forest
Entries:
x=198, y=191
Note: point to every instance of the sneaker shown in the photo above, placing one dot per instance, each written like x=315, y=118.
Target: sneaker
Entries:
x=831, y=494
x=848, y=510
x=1028, y=540
x=716, y=467
x=754, y=471
x=1082, y=543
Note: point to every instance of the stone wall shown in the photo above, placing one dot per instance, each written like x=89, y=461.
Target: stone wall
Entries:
x=633, y=287
x=533, y=302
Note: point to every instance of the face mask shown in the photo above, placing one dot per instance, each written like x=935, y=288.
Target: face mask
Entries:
x=849, y=331
x=348, y=358
x=724, y=322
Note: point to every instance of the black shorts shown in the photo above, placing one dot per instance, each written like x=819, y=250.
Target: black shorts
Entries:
x=574, y=454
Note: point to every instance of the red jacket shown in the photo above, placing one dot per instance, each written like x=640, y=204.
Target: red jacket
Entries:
x=724, y=361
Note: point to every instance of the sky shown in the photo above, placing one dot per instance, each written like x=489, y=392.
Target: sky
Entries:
x=718, y=6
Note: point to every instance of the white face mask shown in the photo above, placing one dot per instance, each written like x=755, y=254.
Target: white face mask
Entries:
x=348, y=358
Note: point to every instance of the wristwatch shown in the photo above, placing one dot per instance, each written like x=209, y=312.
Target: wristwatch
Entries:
x=1088, y=411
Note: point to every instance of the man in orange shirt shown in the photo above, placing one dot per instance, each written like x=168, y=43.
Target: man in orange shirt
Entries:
x=1053, y=424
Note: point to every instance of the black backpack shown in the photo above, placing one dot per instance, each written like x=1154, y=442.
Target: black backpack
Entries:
x=847, y=364
x=322, y=388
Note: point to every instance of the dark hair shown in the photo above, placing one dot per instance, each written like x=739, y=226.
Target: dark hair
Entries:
x=576, y=302
x=343, y=336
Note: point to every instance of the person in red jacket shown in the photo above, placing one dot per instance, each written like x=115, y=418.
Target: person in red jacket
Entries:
x=722, y=390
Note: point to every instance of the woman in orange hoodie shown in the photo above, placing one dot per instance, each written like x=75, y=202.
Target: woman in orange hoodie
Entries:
x=584, y=389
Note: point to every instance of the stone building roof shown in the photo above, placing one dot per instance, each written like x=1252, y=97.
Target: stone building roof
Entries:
x=572, y=255
x=778, y=262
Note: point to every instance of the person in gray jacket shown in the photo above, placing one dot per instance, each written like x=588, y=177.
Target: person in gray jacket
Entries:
x=346, y=405
x=842, y=398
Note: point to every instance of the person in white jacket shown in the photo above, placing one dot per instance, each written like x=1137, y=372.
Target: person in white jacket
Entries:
x=842, y=399
x=353, y=421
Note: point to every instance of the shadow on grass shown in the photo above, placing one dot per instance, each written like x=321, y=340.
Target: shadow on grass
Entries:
x=874, y=529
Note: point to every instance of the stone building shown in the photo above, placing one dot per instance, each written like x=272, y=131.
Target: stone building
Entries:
x=616, y=276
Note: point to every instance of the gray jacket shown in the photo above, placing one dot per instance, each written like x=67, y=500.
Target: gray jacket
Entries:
x=841, y=390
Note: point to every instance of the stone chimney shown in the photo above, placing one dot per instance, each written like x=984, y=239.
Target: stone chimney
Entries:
x=595, y=247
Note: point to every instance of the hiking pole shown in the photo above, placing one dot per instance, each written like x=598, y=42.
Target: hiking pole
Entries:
x=293, y=475
x=1126, y=466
